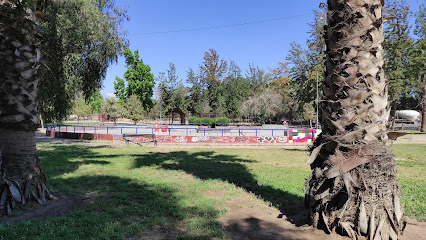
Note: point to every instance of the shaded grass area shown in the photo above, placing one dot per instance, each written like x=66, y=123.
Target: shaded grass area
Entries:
x=134, y=192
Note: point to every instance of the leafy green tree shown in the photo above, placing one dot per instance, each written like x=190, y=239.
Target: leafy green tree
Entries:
x=173, y=82
x=299, y=73
x=181, y=102
x=418, y=60
x=196, y=91
x=113, y=109
x=213, y=70
x=81, y=108
x=234, y=90
x=282, y=83
x=397, y=47
x=257, y=77
x=140, y=80
x=307, y=65
x=316, y=42
x=162, y=93
x=80, y=39
x=95, y=102
x=173, y=94
x=309, y=113
x=315, y=59
x=120, y=90
x=134, y=108
x=165, y=93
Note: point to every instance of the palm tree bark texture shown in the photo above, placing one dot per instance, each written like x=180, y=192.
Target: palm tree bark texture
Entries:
x=21, y=176
x=353, y=189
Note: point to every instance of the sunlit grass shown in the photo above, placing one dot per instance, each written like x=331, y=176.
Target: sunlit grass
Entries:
x=411, y=164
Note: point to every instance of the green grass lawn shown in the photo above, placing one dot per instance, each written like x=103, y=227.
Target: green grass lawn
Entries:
x=133, y=191
x=411, y=164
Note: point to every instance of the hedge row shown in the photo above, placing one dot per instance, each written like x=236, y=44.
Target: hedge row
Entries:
x=212, y=122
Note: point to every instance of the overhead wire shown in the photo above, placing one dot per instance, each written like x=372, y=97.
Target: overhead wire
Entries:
x=222, y=26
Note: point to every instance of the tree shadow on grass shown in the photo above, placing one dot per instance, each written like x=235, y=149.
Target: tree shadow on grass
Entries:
x=117, y=208
x=297, y=149
x=108, y=207
x=60, y=159
x=208, y=165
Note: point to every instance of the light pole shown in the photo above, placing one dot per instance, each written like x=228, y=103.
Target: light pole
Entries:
x=317, y=101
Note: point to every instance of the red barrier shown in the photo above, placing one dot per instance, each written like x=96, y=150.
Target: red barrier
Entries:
x=215, y=139
x=85, y=136
x=194, y=139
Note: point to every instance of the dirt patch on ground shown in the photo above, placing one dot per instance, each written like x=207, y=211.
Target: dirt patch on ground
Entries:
x=249, y=218
x=215, y=194
x=57, y=207
x=54, y=208
x=160, y=233
x=415, y=230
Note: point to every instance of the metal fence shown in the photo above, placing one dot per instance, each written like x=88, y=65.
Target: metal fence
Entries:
x=99, y=128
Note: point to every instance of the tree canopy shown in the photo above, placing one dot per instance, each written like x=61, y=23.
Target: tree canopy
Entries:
x=398, y=45
x=112, y=109
x=81, y=38
x=134, y=108
x=138, y=80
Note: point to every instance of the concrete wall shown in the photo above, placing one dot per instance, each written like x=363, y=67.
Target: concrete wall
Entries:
x=294, y=136
x=85, y=136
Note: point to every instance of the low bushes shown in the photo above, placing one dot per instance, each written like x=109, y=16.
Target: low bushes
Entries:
x=212, y=122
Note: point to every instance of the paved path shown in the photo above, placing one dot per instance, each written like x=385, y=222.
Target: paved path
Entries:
x=42, y=138
x=419, y=138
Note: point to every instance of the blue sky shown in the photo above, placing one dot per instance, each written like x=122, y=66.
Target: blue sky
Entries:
x=264, y=44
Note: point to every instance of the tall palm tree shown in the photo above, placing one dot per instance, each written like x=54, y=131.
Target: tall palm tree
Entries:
x=21, y=176
x=353, y=188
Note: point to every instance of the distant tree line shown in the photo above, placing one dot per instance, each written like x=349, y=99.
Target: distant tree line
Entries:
x=218, y=87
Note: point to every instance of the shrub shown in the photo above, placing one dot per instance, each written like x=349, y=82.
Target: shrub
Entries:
x=222, y=121
x=194, y=120
x=207, y=121
x=211, y=122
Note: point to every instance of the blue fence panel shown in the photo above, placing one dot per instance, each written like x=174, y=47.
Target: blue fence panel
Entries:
x=177, y=130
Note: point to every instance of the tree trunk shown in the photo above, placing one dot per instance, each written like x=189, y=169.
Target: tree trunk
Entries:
x=182, y=118
x=353, y=188
x=22, y=177
x=41, y=121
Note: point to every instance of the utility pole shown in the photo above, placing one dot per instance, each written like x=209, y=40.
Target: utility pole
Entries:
x=317, y=101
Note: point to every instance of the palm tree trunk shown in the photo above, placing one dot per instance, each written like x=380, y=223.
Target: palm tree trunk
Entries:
x=21, y=174
x=353, y=188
